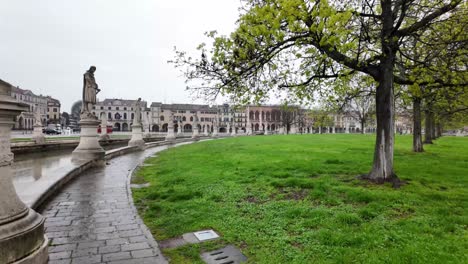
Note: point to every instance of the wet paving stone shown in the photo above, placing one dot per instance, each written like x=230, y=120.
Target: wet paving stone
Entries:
x=93, y=220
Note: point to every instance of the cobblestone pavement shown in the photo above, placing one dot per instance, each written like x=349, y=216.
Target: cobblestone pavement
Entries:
x=93, y=220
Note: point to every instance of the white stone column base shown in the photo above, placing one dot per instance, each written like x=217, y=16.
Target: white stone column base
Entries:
x=170, y=134
x=195, y=134
x=38, y=136
x=39, y=256
x=137, y=137
x=88, y=148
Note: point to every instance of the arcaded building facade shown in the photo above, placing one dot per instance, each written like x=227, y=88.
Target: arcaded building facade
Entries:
x=252, y=119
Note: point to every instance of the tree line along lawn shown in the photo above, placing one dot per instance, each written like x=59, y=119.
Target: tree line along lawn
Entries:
x=296, y=199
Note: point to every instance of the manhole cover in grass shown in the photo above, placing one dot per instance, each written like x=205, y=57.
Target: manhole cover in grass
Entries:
x=227, y=255
x=206, y=235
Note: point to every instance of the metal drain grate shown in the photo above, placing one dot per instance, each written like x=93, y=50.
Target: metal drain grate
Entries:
x=227, y=255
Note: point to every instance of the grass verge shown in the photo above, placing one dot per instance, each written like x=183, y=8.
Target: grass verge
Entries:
x=295, y=199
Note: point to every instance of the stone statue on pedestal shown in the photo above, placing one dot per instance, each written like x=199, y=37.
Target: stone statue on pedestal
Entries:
x=89, y=148
x=170, y=128
x=137, y=132
x=195, y=131
x=90, y=90
x=38, y=136
x=137, y=118
x=37, y=117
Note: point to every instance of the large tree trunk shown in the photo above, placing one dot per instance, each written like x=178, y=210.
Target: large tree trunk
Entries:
x=363, y=123
x=428, y=127
x=417, y=134
x=382, y=168
x=433, y=127
x=439, y=129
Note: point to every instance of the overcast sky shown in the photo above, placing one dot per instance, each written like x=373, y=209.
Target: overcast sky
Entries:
x=47, y=45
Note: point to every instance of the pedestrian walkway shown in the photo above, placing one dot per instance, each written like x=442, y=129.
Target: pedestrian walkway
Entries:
x=93, y=220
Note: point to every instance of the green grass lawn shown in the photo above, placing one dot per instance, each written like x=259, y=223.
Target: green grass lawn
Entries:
x=295, y=199
x=14, y=140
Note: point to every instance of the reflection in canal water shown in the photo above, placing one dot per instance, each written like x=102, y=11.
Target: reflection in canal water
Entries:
x=31, y=167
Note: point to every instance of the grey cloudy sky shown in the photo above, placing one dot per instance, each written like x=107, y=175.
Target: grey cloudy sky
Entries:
x=47, y=45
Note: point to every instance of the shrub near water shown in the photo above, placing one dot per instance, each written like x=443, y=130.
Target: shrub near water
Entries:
x=295, y=199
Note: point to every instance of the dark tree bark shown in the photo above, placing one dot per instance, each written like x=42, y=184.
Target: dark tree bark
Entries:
x=433, y=126
x=382, y=168
x=417, y=133
x=439, y=129
x=428, y=127
x=363, y=123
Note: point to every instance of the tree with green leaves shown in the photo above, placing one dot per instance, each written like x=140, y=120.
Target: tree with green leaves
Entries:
x=321, y=119
x=436, y=60
x=356, y=99
x=300, y=47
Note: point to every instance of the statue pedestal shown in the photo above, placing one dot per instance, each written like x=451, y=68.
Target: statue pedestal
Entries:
x=88, y=148
x=104, y=136
x=179, y=129
x=249, y=129
x=215, y=132
x=233, y=132
x=137, y=137
x=22, y=238
x=293, y=130
x=195, y=133
x=170, y=134
x=38, y=137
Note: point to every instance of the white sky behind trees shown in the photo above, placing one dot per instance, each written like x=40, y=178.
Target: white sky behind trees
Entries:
x=47, y=45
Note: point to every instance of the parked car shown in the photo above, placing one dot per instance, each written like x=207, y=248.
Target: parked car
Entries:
x=50, y=131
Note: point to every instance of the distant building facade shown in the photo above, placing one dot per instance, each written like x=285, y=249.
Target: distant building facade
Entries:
x=156, y=118
x=251, y=119
x=26, y=120
x=53, y=111
x=120, y=112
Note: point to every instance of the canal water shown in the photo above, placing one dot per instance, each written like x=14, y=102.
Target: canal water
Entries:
x=30, y=169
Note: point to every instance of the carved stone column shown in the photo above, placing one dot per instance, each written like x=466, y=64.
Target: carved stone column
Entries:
x=22, y=238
